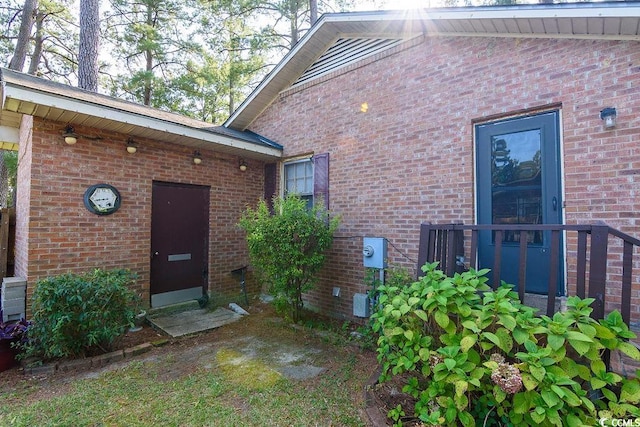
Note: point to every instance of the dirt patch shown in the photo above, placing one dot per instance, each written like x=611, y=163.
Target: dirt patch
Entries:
x=382, y=397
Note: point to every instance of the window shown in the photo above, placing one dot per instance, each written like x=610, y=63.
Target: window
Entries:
x=309, y=178
x=298, y=179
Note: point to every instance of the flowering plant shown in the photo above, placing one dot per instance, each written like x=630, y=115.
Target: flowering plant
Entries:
x=469, y=353
x=13, y=330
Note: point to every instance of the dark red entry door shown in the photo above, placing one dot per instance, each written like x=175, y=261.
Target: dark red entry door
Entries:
x=179, y=242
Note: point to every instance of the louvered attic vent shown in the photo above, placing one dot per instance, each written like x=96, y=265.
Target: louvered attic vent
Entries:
x=345, y=52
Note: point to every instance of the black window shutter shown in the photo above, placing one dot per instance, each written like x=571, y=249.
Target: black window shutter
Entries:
x=270, y=183
x=321, y=178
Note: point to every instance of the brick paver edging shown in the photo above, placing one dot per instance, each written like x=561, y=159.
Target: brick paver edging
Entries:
x=89, y=362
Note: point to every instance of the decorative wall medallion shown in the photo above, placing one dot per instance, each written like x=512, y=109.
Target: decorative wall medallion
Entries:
x=102, y=199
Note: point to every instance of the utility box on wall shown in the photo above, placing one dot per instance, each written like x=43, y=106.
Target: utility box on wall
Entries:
x=361, y=305
x=374, y=252
x=14, y=298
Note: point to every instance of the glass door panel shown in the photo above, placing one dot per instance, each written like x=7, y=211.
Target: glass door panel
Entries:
x=516, y=182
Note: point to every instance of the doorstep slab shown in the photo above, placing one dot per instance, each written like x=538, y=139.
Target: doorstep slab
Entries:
x=193, y=321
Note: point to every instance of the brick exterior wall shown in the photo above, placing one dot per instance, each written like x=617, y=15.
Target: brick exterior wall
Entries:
x=23, y=194
x=56, y=234
x=410, y=157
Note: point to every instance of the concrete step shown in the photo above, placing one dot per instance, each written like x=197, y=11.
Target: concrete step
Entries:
x=173, y=308
x=187, y=322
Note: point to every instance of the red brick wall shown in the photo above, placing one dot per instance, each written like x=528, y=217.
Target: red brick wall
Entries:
x=57, y=234
x=410, y=158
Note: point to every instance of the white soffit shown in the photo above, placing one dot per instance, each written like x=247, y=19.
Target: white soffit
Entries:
x=9, y=138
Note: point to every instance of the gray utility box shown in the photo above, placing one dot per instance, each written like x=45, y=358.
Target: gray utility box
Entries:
x=374, y=252
x=14, y=298
x=361, y=305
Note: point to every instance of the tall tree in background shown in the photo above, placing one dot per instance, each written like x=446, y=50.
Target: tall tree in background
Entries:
x=196, y=59
x=89, y=44
x=43, y=40
x=313, y=11
x=24, y=34
x=298, y=15
x=152, y=41
x=240, y=56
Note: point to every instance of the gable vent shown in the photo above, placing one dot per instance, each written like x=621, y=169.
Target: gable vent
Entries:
x=345, y=52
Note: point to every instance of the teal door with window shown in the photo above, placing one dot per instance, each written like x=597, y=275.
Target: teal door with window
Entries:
x=518, y=182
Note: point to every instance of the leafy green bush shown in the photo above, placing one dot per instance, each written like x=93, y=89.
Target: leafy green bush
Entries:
x=80, y=314
x=476, y=356
x=288, y=248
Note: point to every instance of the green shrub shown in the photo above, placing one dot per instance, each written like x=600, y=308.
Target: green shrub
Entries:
x=80, y=314
x=288, y=248
x=474, y=356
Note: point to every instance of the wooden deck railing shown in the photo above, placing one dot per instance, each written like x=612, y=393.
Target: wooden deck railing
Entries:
x=445, y=243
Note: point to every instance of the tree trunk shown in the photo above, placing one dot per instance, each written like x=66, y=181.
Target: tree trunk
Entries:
x=37, y=43
x=89, y=45
x=293, y=12
x=231, y=106
x=26, y=24
x=149, y=62
x=313, y=11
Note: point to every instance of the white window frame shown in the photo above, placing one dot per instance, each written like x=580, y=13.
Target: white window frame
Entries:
x=307, y=194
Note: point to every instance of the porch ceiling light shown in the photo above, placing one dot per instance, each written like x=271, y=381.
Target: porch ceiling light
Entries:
x=243, y=165
x=132, y=147
x=197, y=157
x=69, y=135
x=609, y=116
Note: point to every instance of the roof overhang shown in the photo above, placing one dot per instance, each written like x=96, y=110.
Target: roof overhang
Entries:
x=25, y=94
x=601, y=21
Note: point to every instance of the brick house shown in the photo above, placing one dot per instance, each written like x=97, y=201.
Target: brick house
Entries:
x=473, y=115
x=176, y=222
x=490, y=115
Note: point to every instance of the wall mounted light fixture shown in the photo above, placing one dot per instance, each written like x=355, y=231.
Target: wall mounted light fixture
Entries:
x=243, y=165
x=197, y=157
x=609, y=116
x=132, y=147
x=69, y=135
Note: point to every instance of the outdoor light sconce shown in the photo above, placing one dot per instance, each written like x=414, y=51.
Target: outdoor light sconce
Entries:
x=197, y=157
x=69, y=135
x=609, y=116
x=243, y=165
x=132, y=147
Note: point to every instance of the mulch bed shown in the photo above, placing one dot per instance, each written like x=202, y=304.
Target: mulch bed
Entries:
x=382, y=397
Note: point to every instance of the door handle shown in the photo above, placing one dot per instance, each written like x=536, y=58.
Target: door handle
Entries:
x=554, y=203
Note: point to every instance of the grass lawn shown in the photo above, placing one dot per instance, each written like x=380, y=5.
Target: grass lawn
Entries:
x=204, y=381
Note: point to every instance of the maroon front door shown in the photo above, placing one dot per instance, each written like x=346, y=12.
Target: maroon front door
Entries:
x=179, y=242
